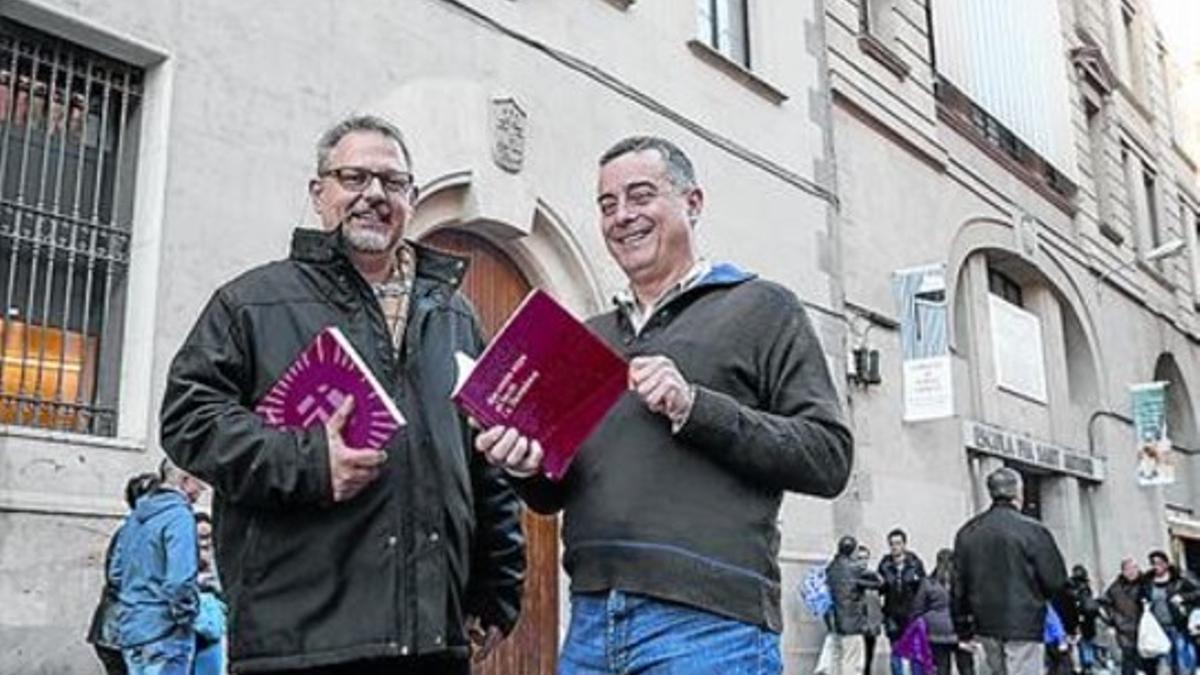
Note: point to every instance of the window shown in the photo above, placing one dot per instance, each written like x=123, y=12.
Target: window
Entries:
x=875, y=17
x=1097, y=145
x=1150, y=208
x=725, y=26
x=1134, y=70
x=1003, y=285
x=66, y=195
x=1164, y=73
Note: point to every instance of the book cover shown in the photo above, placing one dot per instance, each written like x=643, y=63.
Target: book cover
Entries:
x=547, y=375
x=321, y=377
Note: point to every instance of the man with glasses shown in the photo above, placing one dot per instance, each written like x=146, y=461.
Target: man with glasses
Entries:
x=338, y=559
x=670, y=509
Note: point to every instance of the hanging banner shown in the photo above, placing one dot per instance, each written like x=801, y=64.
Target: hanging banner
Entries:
x=920, y=294
x=1155, y=465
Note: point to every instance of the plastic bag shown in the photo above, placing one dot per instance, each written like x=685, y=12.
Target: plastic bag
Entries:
x=1152, y=640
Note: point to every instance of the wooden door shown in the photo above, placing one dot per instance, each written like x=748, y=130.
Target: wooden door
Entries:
x=495, y=286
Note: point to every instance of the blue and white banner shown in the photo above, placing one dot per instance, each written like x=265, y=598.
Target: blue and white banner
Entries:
x=920, y=294
x=1155, y=465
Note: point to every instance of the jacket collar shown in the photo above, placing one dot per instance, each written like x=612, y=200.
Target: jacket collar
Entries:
x=711, y=275
x=320, y=246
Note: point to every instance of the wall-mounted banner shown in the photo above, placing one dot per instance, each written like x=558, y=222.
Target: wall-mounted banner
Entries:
x=1155, y=465
x=920, y=294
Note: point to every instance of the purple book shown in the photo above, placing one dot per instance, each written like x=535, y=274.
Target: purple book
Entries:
x=317, y=382
x=547, y=375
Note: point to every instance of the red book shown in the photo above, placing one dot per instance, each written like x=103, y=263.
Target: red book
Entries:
x=321, y=377
x=547, y=375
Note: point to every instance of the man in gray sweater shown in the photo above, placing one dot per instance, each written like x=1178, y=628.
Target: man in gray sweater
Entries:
x=670, y=509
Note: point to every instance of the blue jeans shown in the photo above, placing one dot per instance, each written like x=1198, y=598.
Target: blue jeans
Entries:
x=170, y=655
x=617, y=633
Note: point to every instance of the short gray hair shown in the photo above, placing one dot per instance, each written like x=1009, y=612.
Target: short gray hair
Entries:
x=679, y=167
x=1004, y=484
x=355, y=123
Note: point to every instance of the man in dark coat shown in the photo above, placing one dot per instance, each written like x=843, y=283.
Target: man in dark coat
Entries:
x=1008, y=568
x=902, y=572
x=848, y=582
x=1122, y=604
x=1087, y=609
x=1170, y=595
x=333, y=557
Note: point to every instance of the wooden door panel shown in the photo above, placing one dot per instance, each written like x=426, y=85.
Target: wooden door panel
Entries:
x=496, y=286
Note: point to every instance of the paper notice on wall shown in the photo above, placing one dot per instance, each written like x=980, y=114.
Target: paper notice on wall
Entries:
x=1155, y=464
x=928, y=389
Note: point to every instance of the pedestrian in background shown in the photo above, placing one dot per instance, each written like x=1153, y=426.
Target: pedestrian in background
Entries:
x=211, y=614
x=1007, y=568
x=1087, y=609
x=873, y=599
x=102, y=632
x=154, y=569
x=902, y=572
x=1170, y=595
x=848, y=582
x=932, y=603
x=1122, y=604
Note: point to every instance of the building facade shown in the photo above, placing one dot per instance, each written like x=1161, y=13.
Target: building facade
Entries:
x=1019, y=218
x=152, y=151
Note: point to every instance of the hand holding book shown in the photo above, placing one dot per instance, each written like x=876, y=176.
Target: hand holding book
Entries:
x=506, y=448
x=540, y=388
x=350, y=469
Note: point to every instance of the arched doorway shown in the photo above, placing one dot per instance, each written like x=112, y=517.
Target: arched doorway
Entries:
x=496, y=286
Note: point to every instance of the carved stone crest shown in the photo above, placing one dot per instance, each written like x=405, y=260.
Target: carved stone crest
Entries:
x=510, y=127
x=1027, y=237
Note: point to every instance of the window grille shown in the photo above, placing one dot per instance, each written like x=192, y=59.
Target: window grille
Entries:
x=68, y=117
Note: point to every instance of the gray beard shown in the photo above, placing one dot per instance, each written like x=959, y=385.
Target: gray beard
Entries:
x=366, y=241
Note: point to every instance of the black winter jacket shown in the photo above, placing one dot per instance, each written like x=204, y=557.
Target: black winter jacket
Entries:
x=1007, y=568
x=901, y=581
x=848, y=582
x=392, y=571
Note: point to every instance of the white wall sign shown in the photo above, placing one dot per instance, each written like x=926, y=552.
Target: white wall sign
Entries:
x=1017, y=349
x=993, y=440
x=928, y=389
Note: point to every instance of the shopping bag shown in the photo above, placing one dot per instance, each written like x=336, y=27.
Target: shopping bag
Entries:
x=1152, y=640
x=825, y=658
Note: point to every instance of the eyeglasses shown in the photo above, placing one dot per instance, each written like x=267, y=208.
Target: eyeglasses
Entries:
x=358, y=179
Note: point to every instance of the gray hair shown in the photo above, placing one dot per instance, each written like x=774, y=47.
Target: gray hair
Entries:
x=1004, y=484
x=169, y=473
x=679, y=167
x=355, y=123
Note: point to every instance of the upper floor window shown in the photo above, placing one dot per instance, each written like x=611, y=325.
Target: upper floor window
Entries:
x=725, y=26
x=1002, y=285
x=1133, y=65
x=875, y=17
x=68, y=120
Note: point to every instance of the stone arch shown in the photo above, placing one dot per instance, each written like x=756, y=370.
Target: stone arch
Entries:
x=543, y=245
x=995, y=237
x=1181, y=412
